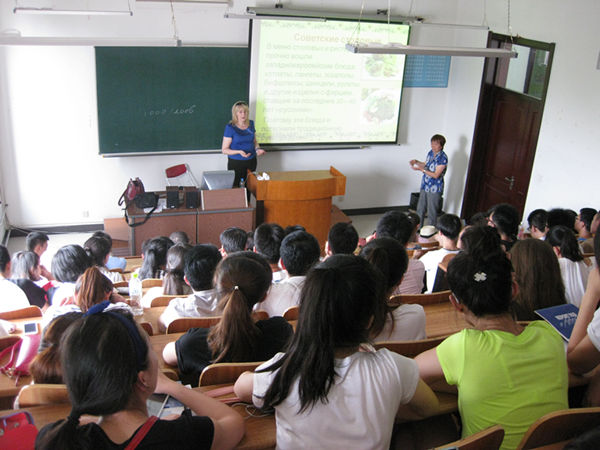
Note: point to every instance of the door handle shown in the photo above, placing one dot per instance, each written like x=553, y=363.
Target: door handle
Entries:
x=511, y=180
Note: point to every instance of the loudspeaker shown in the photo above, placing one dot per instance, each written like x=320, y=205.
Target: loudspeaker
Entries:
x=173, y=199
x=192, y=199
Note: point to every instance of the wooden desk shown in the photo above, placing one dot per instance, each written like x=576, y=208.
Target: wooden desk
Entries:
x=151, y=315
x=441, y=319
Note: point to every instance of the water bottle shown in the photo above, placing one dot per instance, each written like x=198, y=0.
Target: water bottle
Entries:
x=135, y=294
x=242, y=183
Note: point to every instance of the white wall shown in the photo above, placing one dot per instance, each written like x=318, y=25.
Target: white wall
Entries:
x=53, y=175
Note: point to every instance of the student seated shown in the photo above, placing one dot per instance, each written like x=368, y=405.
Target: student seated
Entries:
x=537, y=274
x=241, y=280
x=200, y=264
x=68, y=263
x=505, y=219
x=448, y=226
x=506, y=374
x=583, y=351
x=25, y=272
x=179, y=237
x=37, y=242
x=98, y=249
x=404, y=322
x=326, y=392
x=479, y=241
x=396, y=225
x=233, y=239
x=299, y=252
x=342, y=239
x=91, y=288
x=267, y=241
x=573, y=268
x=45, y=367
x=113, y=262
x=116, y=385
x=11, y=296
x=174, y=278
x=154, y=257
x=538, y=223
x=588, y=245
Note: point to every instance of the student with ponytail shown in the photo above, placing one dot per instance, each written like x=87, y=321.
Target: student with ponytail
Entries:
x=241, y=280
x=326, y=392
x=154, y=255
x=116, y=384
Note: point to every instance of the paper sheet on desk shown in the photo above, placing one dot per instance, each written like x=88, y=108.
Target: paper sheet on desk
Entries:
x=161, y=204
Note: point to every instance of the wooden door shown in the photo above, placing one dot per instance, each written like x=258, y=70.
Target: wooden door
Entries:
x=507, y=126
x=510, y=149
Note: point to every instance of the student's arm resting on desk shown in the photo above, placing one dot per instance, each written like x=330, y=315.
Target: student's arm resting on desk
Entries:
x=170, y=354
x=227, y=150
x=244, y=386
x=423, y=404
x=228, y=424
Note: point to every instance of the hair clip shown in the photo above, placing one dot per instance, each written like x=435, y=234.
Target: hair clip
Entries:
x=480, y=276
x=236, y=288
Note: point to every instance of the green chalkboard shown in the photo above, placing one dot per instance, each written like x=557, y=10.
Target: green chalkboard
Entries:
x=164, y=99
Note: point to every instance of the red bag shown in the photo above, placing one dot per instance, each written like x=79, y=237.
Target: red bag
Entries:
x=134, y=187
x=21, y=353
x=17, y=431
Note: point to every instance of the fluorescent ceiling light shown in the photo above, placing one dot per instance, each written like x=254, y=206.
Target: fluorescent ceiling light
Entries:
x=398, y=49
x=73, y=12
x=88, y=41
x=255, y=17
x=283, y=13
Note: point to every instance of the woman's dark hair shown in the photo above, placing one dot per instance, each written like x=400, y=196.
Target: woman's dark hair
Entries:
x=480, y=241
x=586, y=215
x=481, y=283
x=97, y=248
x=45, y=366
x=173, y=282
x=99, y=357
x=155, y=257
x=563, y=238
x=338, y=300
x=4, y=258
x=69, y=263
x=22, y=265
x=538, y=218
x=92, y=288
x=242, y=280
x=506, y=219
x=537, y=273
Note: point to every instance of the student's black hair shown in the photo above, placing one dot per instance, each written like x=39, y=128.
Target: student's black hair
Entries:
x=439, y=138
x=99, y=365
x=563, y=238
x=242, y=280
x=342, y=238
x=560, y=216
x=299, y=252
x=233, y=239
x=267, y=240
x=97, y=249
x=449, y=225
x=291, y=228
x=179, y=237
x=478, y=219
x=482, y=284
x=34, y=239
x=22, y=264
x=200, y=264
x=395, y=225
x=250, y=240
x=155, y=257
x=173, y=281
x=538, y=218
x=4, y=258
x=389, y=256
x=104, y=235
x=506, y=219
x=337, y=302
x=481, y=241
x=586, y=215
x=69, y=262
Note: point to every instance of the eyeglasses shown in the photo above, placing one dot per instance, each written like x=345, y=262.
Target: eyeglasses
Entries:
x=240, y=103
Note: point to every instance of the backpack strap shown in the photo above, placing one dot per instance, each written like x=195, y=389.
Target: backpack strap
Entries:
x=141, y=433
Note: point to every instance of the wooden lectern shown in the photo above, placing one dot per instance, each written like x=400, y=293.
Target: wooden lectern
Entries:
x=300, y=197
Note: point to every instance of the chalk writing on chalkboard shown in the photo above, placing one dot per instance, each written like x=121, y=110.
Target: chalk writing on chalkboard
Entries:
x=426, y=71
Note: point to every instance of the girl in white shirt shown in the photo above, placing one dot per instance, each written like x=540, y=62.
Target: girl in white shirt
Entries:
x=326, y=392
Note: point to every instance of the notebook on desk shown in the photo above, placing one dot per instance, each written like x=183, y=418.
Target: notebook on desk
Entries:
x=561, y=317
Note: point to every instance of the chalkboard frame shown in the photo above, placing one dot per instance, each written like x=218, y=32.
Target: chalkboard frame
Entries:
x=166, y=100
